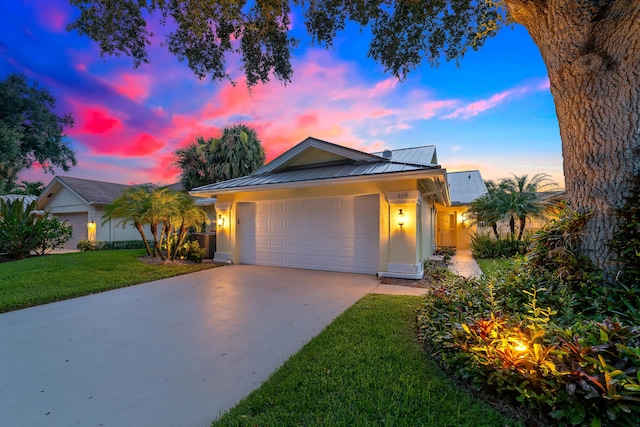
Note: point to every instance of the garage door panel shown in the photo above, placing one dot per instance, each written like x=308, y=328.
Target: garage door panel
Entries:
x=338, y=234
x=293, y=242
x=277, y=241
x=79, y=223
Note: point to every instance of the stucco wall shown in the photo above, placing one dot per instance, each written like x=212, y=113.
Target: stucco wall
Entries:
x=463, y=230
x=396, y=246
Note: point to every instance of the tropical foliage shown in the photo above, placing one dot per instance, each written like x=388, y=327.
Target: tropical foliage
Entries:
x=24, y=230
x=543, y=332
x=30, y=130
x=169, y=214
x=515, y=200
x=237, y=152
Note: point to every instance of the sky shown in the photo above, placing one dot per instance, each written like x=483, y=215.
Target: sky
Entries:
x=493, y=111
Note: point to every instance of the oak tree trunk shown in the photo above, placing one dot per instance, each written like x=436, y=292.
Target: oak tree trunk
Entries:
x=592, y=52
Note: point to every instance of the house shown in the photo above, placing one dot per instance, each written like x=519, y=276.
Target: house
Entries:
x=454, y=229
x=323, y=206
x=80, y=203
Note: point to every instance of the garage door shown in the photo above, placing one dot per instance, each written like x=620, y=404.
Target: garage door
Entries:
x=79, y=223
x=334, y=234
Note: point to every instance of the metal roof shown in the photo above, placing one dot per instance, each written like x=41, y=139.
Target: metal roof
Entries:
x=425, y=156
x=320, y=172
x=26, y=198
x=465, y=187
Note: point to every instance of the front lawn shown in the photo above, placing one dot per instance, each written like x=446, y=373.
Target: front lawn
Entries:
x=491, y=265
x=365, y=369
x=39, y=280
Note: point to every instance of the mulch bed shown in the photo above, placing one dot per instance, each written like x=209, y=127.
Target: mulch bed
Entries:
x=156, y=260
x=423, y=283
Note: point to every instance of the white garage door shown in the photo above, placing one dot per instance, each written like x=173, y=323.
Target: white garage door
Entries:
x=336, y=234
x=79, y=223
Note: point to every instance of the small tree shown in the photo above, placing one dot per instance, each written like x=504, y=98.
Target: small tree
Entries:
x=51, y=234
x=510, y=199
x=522, y=198
x=489, y=208
x=131, y=207
x=188, y=216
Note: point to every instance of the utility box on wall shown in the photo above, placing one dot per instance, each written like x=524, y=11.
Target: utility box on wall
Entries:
x=207, y=241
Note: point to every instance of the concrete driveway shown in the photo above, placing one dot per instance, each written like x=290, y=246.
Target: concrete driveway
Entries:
x=175, y=352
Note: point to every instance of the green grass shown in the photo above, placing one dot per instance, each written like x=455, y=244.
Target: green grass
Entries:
x=365, y=369
x=49, y=278
x=490, y=265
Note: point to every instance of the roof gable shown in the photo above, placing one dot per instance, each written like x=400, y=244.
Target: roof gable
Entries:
x=465, y=187
x=315, y=152
x=89, y=191
x=318, y=161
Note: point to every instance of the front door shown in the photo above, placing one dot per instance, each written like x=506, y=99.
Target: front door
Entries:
x=446, y=229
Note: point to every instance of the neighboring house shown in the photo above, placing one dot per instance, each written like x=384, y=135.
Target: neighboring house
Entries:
x=323, y=206
x=12, y=197
x=454, y=229
x=80, y=203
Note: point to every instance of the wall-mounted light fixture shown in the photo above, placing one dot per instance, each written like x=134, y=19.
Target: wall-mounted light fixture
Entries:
x=400, y=219
x=220, y=221
x=91, y=231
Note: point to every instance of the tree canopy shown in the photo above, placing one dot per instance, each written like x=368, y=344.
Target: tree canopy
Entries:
x=237, y=152
x=30, y=130
x=204, y=32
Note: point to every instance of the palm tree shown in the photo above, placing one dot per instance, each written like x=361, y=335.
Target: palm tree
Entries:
x=489, y=208
x=238, y=152
x=30, y=188
x=522, y=198
x=162, y=209
x=187, y=215
x=131, y=206
x=193, y=160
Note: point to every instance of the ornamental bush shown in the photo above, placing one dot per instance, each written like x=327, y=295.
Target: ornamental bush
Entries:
x=484, y=246
x=100, y=245
x=556, y=342
x=25, y=230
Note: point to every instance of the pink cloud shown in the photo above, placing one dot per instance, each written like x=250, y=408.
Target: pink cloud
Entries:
x=97, y=122
x=474, y=108
x=477, y=107
x=133, y=86
x=144, y=144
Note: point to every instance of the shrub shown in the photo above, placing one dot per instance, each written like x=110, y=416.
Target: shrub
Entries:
x=24, y=230
x=484, y=246
x=544, y=331
x=626, y=242
x=98, y=245
x=51, y=234
x=191, y=251
x=88, y=245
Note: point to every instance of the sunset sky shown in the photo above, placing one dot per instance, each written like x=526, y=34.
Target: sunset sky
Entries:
x=494, y=112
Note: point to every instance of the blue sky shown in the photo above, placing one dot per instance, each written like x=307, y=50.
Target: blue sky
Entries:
x=494, y=112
